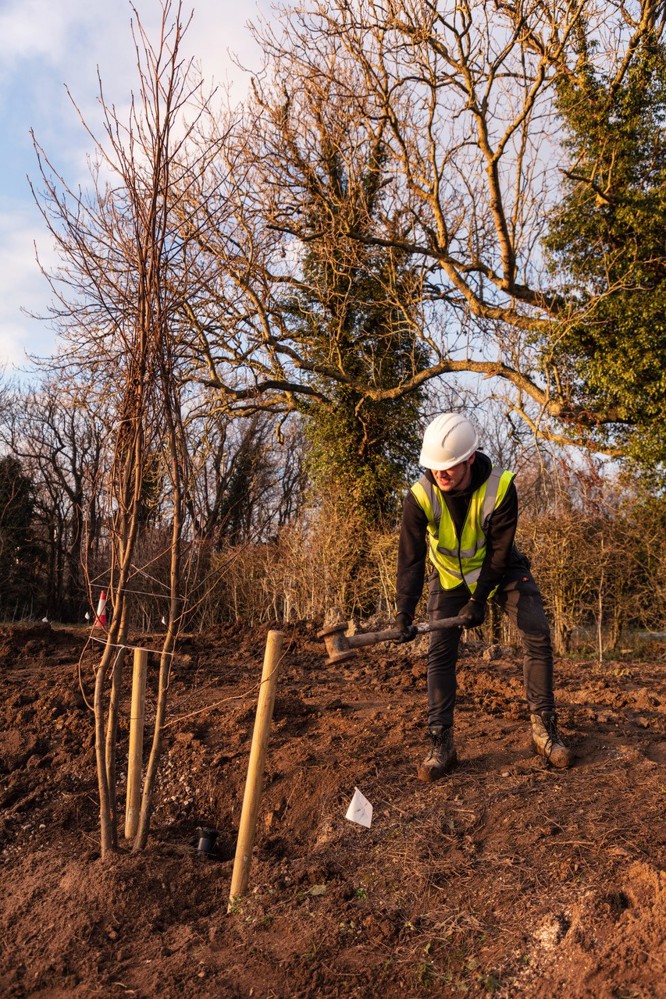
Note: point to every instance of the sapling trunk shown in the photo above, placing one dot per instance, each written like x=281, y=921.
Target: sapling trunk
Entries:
x=112, y=736
x=105, y=821
x=143, y=829
x=175, y=616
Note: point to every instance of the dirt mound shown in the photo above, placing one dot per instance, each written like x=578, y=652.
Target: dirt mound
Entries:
x=32, y=643
x=508, y=878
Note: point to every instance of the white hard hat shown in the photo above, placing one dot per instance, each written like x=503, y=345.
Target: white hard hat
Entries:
x=447, y=441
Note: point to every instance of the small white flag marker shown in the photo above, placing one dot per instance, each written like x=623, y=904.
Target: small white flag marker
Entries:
x=360, y=810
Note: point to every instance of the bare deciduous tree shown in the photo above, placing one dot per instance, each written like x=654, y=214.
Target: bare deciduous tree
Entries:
x=453, y=107
x=61, y=442
x=117, y=296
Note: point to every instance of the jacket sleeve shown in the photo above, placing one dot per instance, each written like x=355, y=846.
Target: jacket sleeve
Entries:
x=412, y=551
x=499, y=545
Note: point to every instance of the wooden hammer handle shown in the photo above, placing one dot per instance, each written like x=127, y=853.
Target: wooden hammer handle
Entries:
x=393, y=634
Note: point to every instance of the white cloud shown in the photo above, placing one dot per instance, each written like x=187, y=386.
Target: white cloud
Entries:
x=45, y=45
x=34, y=29
x=23, y=287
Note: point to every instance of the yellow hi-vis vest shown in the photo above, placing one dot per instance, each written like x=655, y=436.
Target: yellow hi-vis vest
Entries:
x=460, y=561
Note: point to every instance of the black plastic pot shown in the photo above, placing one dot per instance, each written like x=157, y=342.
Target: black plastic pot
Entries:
x=207, y=837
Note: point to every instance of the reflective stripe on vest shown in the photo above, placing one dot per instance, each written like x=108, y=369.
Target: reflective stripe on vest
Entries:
x=456, y=559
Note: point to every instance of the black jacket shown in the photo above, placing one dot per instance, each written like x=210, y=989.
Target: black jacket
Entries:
x=501, y=553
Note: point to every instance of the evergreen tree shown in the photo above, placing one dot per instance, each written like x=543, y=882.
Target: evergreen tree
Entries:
x=608, y=240
x=359, y=308
x=18, y=550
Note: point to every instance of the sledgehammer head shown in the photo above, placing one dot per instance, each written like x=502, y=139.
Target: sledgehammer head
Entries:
x=337, y=643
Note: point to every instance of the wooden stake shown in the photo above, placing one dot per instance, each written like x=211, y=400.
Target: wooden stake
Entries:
x=135, y=761
x=255, y=770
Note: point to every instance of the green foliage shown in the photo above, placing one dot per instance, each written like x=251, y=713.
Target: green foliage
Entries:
x=18, y=551
x=362, y=455
x=608, y=241
x=359, y=312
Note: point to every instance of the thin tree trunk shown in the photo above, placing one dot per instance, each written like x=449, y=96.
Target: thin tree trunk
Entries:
x=105, y=820
x=600, y=617
x=127, y=528
x=172, y=415
x=112, y=724
x=166, y=662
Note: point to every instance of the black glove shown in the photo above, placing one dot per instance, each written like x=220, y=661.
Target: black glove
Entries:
x=403, y=623
x=473, y=613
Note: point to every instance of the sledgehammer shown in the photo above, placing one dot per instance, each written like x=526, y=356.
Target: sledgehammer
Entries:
x=340, y=646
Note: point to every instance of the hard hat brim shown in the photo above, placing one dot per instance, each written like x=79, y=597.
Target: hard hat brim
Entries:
x=442, y=466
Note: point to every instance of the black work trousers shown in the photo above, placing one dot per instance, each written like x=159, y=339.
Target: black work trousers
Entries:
x=521, y=600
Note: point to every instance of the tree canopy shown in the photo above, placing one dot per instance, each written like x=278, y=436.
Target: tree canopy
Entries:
x=370, y=225
x=458, y=110
x=607, y=245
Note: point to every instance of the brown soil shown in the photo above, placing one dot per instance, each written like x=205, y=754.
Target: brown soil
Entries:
x=508, y=878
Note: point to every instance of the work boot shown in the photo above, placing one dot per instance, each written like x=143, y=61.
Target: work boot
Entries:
x=547, y=742
x=442, y=756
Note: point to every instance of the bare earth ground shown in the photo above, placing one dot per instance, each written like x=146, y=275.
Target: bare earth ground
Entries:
x=508, y=879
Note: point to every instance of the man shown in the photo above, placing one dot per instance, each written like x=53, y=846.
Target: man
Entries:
x=463, y=514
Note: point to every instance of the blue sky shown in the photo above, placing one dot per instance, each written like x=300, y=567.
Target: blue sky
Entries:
x=46, y=46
